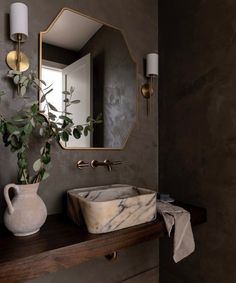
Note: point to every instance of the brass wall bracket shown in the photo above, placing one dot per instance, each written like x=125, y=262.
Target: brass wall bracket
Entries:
x=23, y=63
x=17, y=60
x=147, y=91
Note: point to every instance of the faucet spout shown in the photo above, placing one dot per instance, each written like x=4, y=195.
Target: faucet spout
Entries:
x=95, y=163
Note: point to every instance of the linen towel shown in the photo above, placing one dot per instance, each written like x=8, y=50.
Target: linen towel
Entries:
x=183, y=236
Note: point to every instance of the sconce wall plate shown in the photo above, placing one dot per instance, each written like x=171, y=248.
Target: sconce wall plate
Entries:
x=11, y=60
x=147, y=90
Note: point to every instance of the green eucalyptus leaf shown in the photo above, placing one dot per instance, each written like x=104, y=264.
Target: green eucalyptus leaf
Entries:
x=50, y=90
x=65, y=136
x=90, y=128
x=68, y=130
x=41, y=132
x=43, y=82
x=48, y=146
x=10, y=128
x=68, y=113
x=53, y=108
x=28, y=128
x=32, y=122
x=12, y=73
x=37, y=165
x=66, y=92
x=14, y=141
x=40, y=118
x=86, y=131
x=36, y=81
x=23, y=176
x=79, y=127
x=41, y=150
x=43, y=98
x=22, y=163
x=16, y=79
x=26, y=83
x=89, y=119
x=75, y=101
x=51, y=116
x=47, y=87
x=46, y=158
x=22, y=79
x=76, y=133
x=99, y=116
x=16, y=133
x=19, y=118
x=34, y=108
x=65, y=118
x=45, y=175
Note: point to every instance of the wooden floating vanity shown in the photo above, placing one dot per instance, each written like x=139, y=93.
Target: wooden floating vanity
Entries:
x=61, y=244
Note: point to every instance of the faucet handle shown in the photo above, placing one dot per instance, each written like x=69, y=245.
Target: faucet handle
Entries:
x=111, y=163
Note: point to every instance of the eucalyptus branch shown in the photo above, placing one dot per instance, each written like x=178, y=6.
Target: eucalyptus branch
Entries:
x=2, y=118
x=17, y=131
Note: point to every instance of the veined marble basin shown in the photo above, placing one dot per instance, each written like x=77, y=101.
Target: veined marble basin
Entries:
x=109, y=208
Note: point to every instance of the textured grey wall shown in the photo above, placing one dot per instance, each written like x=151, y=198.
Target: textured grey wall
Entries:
x=198, y=130
x=138, y=20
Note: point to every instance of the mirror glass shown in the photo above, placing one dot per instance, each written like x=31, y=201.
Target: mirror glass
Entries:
x=93, y=60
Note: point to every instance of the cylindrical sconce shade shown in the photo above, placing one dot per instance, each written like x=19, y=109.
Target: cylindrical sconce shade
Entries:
x=18, y=21
x=152, y=64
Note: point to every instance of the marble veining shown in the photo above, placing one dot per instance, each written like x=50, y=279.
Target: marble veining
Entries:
x=109, y=208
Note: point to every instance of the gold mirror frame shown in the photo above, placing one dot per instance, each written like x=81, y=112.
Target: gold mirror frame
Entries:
x=136, y=72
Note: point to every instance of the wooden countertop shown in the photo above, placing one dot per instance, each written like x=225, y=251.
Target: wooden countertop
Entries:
x=61, y=244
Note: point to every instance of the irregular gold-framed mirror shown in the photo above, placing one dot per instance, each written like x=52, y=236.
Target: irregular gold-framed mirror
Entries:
x=93, y=58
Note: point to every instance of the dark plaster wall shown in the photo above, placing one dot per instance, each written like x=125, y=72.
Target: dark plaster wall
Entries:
x=138, y=20
x=197, y=126
x=58, y=54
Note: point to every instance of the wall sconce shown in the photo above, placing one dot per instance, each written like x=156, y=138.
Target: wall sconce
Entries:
x=151, y=72
x=17, y=60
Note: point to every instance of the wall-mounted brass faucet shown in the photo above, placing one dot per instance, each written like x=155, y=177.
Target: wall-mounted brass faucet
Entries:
x=106, y=163
x=94, y=163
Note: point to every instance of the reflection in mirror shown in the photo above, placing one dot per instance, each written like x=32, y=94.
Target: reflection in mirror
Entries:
x=92, y=58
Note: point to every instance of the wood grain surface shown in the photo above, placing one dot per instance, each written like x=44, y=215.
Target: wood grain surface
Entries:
x=61, y=244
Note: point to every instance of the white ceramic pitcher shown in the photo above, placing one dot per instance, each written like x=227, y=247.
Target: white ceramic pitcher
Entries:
x=26, y=212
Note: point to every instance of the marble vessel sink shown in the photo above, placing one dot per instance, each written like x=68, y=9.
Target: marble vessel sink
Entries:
x=109, y=208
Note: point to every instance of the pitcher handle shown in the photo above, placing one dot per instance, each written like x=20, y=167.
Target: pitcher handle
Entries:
x=7, y=198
